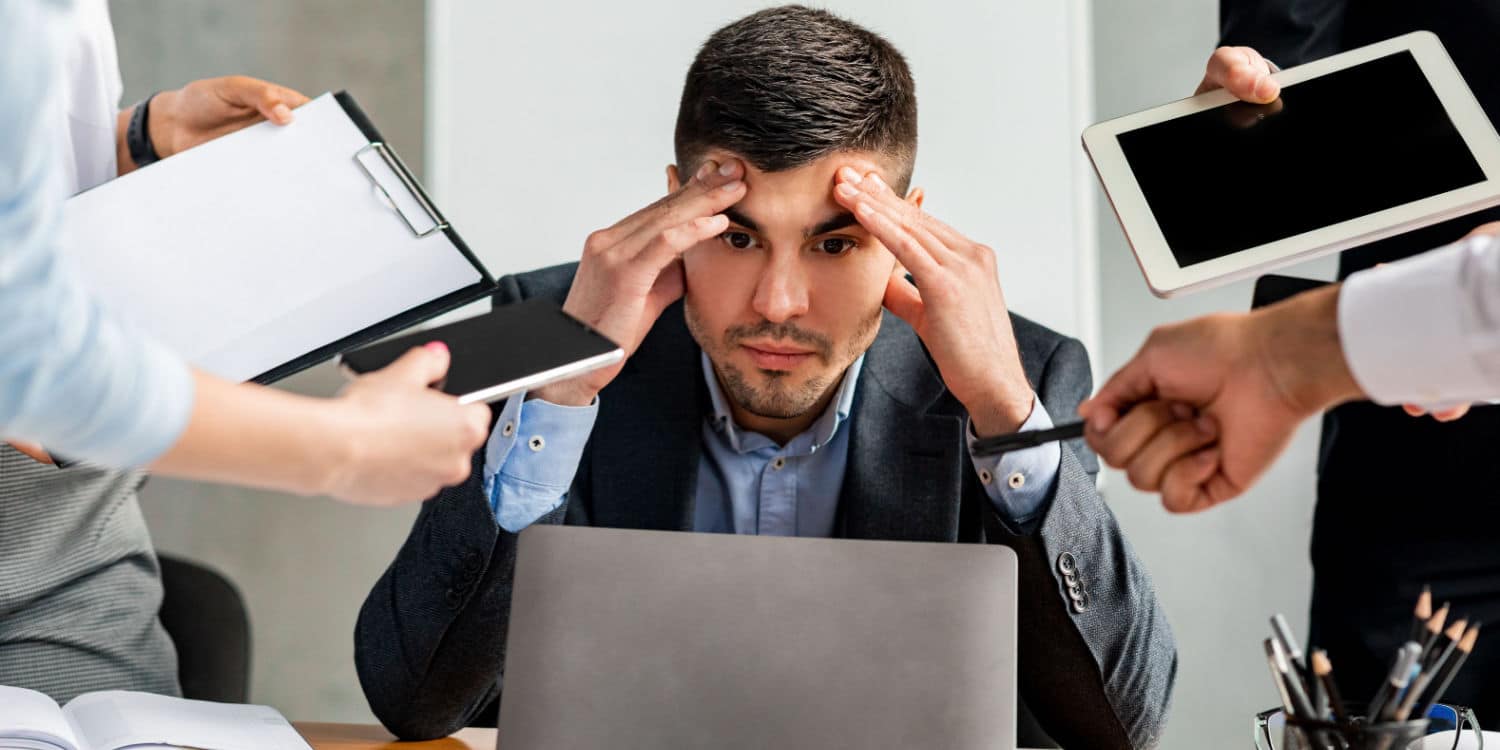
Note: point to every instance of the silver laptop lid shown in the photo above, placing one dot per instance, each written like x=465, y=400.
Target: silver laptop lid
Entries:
x=649, y=639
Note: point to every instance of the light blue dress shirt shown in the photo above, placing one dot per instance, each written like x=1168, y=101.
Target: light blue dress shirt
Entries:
x=71, y=378
x=747, y=484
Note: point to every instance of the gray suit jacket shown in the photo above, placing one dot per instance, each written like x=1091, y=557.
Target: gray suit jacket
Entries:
x=430, y=640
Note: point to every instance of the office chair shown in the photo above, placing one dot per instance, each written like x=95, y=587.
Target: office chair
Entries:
x=206, y=617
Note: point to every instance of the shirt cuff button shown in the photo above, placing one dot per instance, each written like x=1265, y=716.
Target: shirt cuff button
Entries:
x=509, y=429
x=537, y=444
x=985, y=476
x=1016, y=480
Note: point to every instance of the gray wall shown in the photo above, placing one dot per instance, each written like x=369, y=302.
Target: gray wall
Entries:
x=304, y=565
x=1221, y=574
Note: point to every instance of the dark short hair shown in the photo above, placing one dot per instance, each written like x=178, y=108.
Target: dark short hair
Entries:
x=789, y=85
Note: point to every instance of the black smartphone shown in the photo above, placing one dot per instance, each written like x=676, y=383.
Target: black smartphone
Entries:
x=1273, y=288
x=510, y=349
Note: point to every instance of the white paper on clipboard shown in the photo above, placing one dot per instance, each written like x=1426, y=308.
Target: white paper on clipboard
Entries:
x=257, y=248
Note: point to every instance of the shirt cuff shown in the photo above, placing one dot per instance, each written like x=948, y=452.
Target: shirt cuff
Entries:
x=1403, y=326
x=1019, y=483
x=532, y=456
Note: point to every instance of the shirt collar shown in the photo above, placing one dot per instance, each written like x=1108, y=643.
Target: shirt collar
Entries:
x=818, y=435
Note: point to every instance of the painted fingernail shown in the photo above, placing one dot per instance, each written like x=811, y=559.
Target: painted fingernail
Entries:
x=436, y=346
x=728, y=168
x=731, y=186
x=847, y=190
x=850, y=176
x=705, y=170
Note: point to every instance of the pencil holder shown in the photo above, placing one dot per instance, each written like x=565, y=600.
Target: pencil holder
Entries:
x=1274, y=730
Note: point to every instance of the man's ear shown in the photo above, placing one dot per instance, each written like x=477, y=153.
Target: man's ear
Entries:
x=915, y=197
x=673, y=181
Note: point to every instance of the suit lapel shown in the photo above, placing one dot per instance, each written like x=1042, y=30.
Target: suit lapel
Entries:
x=647, y=441
x=904, y=477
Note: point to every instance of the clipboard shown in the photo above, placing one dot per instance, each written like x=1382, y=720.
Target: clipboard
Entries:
x=271, y=249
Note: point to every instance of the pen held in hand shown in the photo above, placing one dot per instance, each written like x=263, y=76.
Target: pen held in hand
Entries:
x=1015, y=441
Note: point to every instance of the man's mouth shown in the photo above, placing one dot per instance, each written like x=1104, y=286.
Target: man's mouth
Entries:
x=769, y=355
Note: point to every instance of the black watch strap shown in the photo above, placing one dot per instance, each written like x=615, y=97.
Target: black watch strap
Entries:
x=138, y=135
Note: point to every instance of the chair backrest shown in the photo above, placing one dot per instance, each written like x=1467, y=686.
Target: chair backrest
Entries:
x=206, y=617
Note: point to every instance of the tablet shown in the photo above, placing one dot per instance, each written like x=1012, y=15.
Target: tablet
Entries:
x=1362, y=145
x=510, y=349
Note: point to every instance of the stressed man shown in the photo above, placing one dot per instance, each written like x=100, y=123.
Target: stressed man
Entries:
x=809, y=354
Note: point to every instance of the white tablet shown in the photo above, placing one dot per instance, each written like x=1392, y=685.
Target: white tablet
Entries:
x=1362, y=145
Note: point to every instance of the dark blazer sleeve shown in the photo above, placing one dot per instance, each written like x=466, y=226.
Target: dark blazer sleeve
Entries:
x=1096, y=673
x=1286, y=32
x=429, y=643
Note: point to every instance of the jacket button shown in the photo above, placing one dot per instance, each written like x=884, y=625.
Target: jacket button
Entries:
x=472, y=561
x=1066, y=564
x=1081, y=604
x=455, y=598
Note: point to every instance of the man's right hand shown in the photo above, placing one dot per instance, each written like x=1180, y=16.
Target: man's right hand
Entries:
x=1243, y=72
x=632, y=271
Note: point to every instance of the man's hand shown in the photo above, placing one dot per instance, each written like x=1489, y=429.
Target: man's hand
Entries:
x=632, y=271
x=409, y=440
x=1242, y=72
x=960, y=312
x=204, y=110
x=1206, y=406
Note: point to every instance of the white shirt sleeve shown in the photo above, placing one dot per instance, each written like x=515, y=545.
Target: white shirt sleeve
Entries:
x=1426, y=330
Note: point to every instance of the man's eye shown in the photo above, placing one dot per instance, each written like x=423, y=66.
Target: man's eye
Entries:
x=738, y=240
x=835, y=245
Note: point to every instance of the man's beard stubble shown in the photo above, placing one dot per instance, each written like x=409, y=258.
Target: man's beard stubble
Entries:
x=778, y=399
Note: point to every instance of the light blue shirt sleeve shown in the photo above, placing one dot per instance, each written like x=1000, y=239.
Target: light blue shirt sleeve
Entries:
x=532, y=456
x=1019, y=483
x=71, y=378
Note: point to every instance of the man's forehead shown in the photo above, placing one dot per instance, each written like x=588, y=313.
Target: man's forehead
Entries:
x=822, y=168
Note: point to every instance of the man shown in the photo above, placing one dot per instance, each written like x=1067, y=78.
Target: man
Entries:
x=80, y=587
x=1369, y=560
x=767, y=392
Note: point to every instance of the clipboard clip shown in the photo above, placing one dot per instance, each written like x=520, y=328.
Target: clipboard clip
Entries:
x=401, y=191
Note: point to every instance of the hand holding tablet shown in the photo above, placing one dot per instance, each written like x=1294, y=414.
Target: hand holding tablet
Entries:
x=1358, y=146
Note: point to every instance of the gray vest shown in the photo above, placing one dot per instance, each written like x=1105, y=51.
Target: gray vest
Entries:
x=80, y=587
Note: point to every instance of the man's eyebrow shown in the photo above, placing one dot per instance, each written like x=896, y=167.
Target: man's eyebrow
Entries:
x=736, y=217
x=837, y=222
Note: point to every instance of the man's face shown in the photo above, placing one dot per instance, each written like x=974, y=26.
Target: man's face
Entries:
x=790, y=295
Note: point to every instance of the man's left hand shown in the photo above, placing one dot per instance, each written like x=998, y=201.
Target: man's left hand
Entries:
x=960, y=312
x=204, y=110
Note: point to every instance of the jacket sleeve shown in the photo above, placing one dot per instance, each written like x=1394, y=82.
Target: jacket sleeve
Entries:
x=429, y=644
x=1286, y=32
x=1097, y=658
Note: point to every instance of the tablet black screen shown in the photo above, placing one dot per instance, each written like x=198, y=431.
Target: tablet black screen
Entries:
x=1336, y=147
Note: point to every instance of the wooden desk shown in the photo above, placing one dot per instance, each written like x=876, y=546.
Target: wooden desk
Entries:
x=369, y=737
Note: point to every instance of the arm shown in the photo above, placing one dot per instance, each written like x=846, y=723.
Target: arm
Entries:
x=90, y=387
x=1101, y=676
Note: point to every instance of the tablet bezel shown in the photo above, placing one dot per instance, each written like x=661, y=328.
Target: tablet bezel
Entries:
x=1166, y=277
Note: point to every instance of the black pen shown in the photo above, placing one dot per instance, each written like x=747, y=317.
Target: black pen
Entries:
x=1015, y=441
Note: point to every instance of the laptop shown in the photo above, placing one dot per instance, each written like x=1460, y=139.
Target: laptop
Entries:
x=650, y=639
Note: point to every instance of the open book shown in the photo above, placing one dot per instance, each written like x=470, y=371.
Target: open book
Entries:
x=117, y=719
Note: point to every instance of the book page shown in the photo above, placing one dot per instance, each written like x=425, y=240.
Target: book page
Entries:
x=118, y=719
x=31, y=720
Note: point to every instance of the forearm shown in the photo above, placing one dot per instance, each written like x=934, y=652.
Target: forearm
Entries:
x=1298, y=343
x=252, y=435
x=1097, y=670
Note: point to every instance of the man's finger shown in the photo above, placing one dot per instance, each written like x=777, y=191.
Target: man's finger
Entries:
x=1130, y=385
x=699, y=196
x=899, y=239
x=277, y=102
x=902, y=298
x=1243, y=72
x=1184, y=483
x=910, y=217
x=671, y=244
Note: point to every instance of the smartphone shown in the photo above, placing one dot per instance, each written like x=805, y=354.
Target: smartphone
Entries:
x=1273, y=288
x=510, y=349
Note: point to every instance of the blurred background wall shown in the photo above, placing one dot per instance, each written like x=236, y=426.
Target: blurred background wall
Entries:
x=504, y=105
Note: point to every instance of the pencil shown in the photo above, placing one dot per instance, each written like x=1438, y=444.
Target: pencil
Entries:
x=1324, y=670
x=1435, y=663
x=1445, y=678
x=1421, y=615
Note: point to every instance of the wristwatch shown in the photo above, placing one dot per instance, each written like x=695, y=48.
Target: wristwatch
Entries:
x=138, y=135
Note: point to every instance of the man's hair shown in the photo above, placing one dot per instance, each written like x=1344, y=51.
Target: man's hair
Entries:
x=787, y=86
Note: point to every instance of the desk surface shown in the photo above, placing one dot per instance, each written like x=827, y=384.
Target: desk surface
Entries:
x=367, y=737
